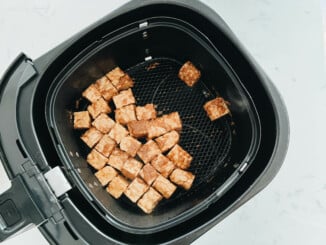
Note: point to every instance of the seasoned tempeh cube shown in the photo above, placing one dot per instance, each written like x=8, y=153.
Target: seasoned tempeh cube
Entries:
x=125, y=114
x=118, y=132
x=136, y=189
x=105, y=146
x=96, y=159
x=103, y=123
x=162, y=164
x=98, y=107
x=91, y=137
x=82, y=120
x=180, y=157
x=105, y=175
x=130, y=145
x=182, y=178
x=117, y=158
x=148, y=151
x=216, y=108
x=164, y=186
x=148, y=174
x=146, y=112
x=172, y=121
x=168, y=140
x=131, y=168
x=115, y=75
x=189, y=74
x=106, y=88
x=124, y=98
x=117, y=186
x=156, y=127
x=92, y=93
x=124, y=82
x=149, y=200
x=138, y=129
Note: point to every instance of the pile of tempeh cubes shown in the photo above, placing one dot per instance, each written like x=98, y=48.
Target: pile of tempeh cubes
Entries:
x=144, y=172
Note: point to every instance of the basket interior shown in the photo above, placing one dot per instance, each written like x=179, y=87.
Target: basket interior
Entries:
x=219, y=148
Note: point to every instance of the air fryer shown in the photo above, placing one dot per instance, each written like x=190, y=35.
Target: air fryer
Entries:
x=234, y=157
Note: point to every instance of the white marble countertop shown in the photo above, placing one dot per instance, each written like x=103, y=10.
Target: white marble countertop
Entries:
x=286, y=38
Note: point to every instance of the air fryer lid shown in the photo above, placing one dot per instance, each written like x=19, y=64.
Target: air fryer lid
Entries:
x=219, y=148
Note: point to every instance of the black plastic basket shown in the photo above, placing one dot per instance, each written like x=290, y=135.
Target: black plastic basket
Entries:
x=220, y=149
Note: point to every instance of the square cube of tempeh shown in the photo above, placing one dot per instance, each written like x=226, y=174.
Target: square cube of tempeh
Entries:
x=182, y=178
x=172, y=121
x=216, y=108
x=156, y=127
x=162, y=164
x=130, y=145
x=106, y=88
x=131, y=168
x=148, y=151
x=124, y=98
x=123, y=83
x=146, y=112
x=98, y=107
x=180, y=157
x=138, y=129
x=117, y=186
x=136, y=189
x=189, y=74
x=125, y=114
x=115, y=74
x=105, y=146
x=92, y=93
x=96, y=159
x=91, y=137
x=118, y=132
x=117, y=158
x=105, y=175
x=82, y=120
x=164, y=186
x=168, y=140
x=103, y=123
x=149, y=200
x=148, y=174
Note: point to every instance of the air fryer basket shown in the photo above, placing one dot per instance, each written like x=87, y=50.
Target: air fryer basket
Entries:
x=220, y=148
x=235, y=157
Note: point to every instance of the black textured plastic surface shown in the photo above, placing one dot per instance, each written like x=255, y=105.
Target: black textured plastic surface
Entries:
x=9, y=213
x=157, y=82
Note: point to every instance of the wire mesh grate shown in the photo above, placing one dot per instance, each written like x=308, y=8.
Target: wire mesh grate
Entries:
x=156, y=82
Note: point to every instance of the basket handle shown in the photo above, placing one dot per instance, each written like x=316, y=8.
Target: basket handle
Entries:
x=17, y=209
